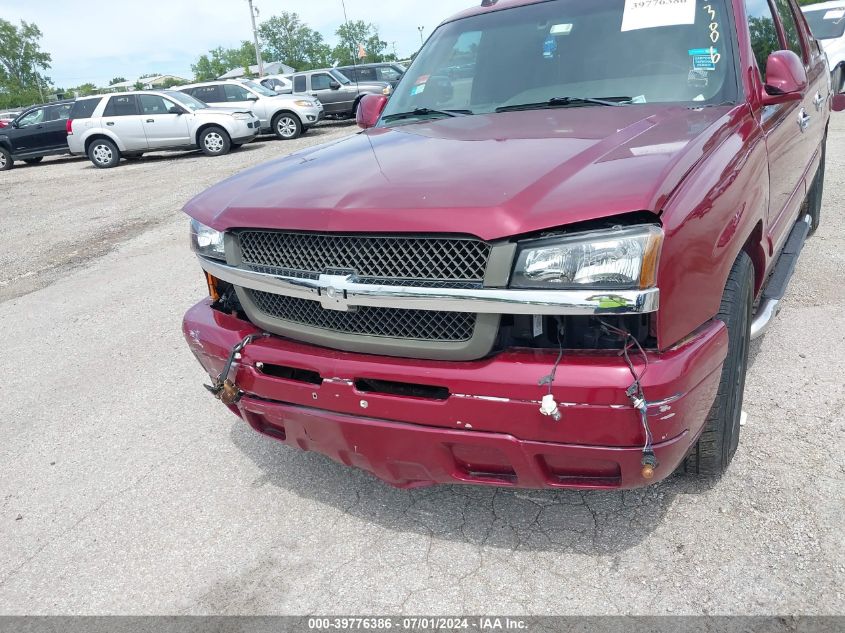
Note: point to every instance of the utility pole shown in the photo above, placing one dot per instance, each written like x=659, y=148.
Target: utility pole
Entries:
x=255, y=39
x=421, y=29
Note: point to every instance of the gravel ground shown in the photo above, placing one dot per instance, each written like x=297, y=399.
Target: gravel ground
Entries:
x=124, y=488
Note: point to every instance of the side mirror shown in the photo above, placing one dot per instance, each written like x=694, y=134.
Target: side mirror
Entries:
x=786, y=78
x=334, y=85
x=252, y=98
x=838, y=103
x=370, y=109
x=278, y=88
x=176, y=110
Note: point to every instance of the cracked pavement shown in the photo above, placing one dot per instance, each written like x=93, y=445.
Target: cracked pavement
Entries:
x=124, y=488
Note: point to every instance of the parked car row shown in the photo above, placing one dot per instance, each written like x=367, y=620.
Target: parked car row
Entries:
x=106, y=128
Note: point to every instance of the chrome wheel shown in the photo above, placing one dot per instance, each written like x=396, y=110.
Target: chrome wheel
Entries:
x=214, y=142
x=287, y=127
x=3, y=160
x=102, y=154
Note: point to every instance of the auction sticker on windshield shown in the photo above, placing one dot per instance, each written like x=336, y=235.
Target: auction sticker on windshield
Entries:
x=647, y=14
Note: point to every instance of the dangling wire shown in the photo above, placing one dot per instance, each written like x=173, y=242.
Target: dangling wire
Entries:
x=550, y=379
x=635, y=392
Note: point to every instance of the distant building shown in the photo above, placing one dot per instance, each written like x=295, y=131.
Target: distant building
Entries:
x=271, y=68
x=122, y=86
x=161, y=81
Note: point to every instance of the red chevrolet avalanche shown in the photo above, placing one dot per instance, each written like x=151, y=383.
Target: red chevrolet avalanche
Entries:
x=541, y=261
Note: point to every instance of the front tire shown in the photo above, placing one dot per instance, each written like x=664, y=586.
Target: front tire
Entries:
x=287, y=126
x=6, y=162
x=214, y=141
x=718, y=442
x=104, y=154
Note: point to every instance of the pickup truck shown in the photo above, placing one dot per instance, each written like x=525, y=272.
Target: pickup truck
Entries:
x=545, y=272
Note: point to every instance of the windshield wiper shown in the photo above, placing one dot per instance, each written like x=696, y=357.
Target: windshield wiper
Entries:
x=425, y=112
x=562, y=102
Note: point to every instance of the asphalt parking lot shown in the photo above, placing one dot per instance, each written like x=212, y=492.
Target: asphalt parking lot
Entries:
x=125, y=488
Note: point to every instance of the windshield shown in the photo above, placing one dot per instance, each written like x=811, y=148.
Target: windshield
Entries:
x=642, y=51
x=341, y=77
x=258, y=88
x=187, y=100
x=827, y=24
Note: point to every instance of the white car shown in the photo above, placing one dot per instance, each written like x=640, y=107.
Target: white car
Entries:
x=128, y=124
x=286, y=116
x=277, y=83
x=827, y=22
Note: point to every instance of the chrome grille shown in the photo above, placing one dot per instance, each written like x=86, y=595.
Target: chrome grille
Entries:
x=453, y=262
x=385, y=322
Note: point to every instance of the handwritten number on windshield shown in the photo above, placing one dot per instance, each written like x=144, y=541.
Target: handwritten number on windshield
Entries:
x=714, y=27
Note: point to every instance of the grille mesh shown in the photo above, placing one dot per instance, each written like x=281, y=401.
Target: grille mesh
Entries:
x=386, y=322
x=373, y=259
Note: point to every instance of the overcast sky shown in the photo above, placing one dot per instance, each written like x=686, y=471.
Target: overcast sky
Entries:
x=96, y=40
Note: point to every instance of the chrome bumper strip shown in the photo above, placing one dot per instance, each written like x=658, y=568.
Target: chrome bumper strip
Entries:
x=336, y=292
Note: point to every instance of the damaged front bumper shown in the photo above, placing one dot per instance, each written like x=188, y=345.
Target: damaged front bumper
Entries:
x=420, y=422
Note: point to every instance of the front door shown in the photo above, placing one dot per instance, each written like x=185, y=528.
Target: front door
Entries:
x=162, y=128
x=335, y=100
x=28, y=135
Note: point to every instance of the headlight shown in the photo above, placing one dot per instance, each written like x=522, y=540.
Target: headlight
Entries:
x=386, y=91
x=243, y=116
x=616, y=258
x=304, y=104
x=206, y=241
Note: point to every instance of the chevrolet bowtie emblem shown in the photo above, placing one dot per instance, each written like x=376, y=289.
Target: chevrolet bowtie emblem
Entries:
x=333, y=292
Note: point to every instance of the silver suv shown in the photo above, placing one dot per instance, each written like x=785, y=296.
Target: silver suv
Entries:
x=285, y=116
x=108, y=127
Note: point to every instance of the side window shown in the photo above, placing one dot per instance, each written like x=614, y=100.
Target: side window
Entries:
x=32, y=118
x=122, y=106
x=59, y=112
x=236, y=93
x=209, y=94
x=153, y=104
x=388, y=73
x=790, y=27
x=84, y=108
x=321, y=81
x=764, y=33
x=365, y=74
x=299, y=83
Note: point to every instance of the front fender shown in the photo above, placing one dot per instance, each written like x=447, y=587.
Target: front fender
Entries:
x=707, y=222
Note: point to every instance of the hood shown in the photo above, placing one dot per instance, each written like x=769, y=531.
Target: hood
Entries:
x=492, y=176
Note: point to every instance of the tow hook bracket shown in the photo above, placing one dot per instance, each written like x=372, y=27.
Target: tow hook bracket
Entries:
x=224, y=388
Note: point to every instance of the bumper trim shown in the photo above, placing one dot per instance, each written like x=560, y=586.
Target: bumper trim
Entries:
x=341, y=293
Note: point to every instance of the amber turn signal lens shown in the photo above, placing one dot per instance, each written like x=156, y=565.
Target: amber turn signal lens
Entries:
x=651, y=257
x=212, y=287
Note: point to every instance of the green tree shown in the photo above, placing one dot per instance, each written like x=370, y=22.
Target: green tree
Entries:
x=354, y=34
x=22, y=63
x=221, y=60
x=117, y=80
x=289, y=40
x=84, y=90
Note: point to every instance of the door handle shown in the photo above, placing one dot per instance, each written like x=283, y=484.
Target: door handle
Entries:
x=818, y=102
x=109, y=122
x=803, y=120
x=151, y=120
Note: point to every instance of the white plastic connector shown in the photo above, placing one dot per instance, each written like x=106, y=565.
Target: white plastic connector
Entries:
x=549, y=408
